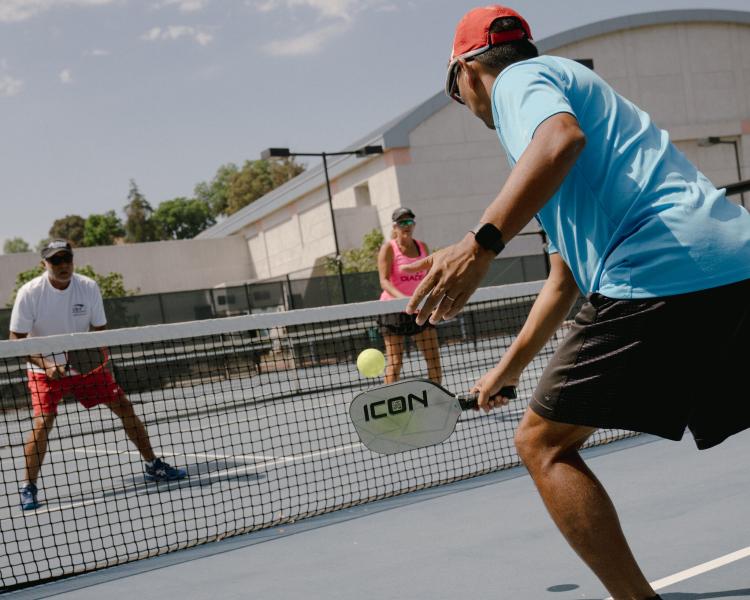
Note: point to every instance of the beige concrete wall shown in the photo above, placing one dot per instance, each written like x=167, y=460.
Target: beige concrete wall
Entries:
x=152, y=267
x=292, y=238
x=353, y=223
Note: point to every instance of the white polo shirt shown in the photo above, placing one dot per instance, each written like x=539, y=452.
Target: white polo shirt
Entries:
x=41, y=309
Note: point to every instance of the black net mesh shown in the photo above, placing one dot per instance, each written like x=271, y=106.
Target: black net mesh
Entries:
x=254, y=408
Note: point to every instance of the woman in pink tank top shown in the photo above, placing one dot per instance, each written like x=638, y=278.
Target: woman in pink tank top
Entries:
x=401, y=250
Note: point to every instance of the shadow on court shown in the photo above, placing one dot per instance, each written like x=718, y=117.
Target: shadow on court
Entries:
x=203, y=474
x=200, y=474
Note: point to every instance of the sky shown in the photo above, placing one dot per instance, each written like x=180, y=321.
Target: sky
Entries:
x=94, y=93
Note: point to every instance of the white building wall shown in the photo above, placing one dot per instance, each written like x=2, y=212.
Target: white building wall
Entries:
x=295, y=238
x=384, y=189
x=256, y=245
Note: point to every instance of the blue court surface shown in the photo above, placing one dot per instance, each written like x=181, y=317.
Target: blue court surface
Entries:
x=685, y=513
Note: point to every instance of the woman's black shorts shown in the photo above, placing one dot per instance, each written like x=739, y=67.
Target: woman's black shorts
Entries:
x=657, y=366
x=400, y=324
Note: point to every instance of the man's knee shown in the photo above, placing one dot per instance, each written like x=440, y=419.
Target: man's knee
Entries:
x=527, y=442
x=540, y=442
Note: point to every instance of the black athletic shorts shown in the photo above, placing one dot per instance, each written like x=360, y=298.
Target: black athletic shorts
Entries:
x=657, y=366
x=401, y=324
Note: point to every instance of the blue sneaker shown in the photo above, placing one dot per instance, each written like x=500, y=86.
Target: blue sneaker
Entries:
x=162, y=471
x=28, y=497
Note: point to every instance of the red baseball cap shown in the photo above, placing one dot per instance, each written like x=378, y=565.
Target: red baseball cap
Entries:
x=473, y=37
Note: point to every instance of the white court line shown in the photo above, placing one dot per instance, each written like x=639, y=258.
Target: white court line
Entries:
x=270, y=463
x=699, y=569
x=290, y=459
x=177, y=454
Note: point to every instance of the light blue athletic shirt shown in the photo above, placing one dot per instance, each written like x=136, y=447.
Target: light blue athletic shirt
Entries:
x=633, y=218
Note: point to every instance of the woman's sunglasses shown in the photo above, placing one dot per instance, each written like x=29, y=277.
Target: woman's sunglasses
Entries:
x=405, y=223
x=59, y=259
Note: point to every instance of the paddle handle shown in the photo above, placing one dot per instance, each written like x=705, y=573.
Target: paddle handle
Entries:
x=469, y=401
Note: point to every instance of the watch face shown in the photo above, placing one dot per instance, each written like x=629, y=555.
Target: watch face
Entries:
x=489, y=237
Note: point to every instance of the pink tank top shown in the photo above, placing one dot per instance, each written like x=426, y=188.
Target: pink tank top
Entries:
x=404, y=282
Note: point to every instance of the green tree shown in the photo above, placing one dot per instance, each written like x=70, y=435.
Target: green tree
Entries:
x=358, y=260
x=215, y=193
x=69, y=228
x=111, y=284
x=257, y=178
x=102, y=230
x=182, y=218
x=24, y=277
x=41, y=244
x=15, y=245
x=138, y=211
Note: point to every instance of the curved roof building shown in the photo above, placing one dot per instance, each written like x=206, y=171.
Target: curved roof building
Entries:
x=690, y=69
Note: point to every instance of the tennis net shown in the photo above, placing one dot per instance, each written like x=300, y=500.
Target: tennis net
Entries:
x=255, y=408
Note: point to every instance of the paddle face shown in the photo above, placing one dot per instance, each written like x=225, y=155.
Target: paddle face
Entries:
x=402, y=416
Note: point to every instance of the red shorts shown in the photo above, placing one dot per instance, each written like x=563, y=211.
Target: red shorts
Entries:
x=93, y=389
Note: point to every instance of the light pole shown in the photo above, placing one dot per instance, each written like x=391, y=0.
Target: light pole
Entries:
x=713, y=141
x=360, y=152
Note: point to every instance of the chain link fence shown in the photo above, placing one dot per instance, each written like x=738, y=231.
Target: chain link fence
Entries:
x=271, y=296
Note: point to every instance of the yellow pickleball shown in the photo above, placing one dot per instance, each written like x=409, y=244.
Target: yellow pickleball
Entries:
x=371, y=362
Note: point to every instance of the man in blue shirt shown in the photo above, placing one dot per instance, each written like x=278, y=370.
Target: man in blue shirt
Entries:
x=662, y=256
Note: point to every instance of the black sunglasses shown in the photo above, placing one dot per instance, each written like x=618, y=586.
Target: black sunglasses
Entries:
x=59, y=259
x=451, y=87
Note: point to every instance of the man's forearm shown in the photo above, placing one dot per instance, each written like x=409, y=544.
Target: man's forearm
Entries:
x=35, y=359
x=40, y=362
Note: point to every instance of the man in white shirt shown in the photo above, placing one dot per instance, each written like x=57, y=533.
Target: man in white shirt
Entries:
x=61, y=301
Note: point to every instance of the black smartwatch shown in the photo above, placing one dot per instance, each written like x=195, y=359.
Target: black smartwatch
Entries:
x=489, y=237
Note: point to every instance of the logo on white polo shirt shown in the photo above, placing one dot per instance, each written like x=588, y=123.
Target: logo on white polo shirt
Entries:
x=79, y=310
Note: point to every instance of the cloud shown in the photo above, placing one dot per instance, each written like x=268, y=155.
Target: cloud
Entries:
x=185, y=6
x=307, y=43
x=9, y=86
x=97, y=52
x=13, y=11
x=327, y=9
x=175, y=32
x=335, y=17
x=66, y=76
